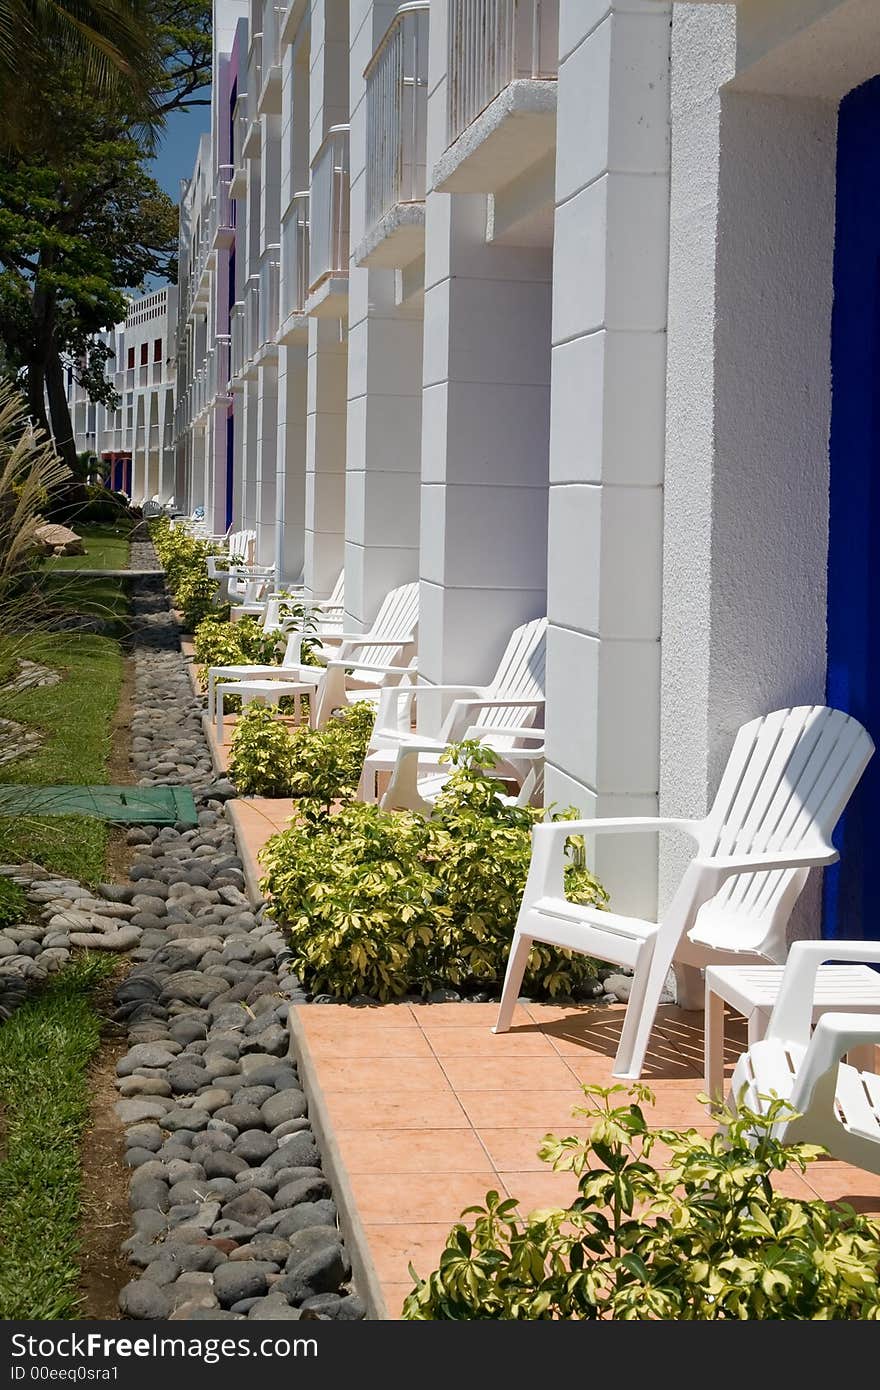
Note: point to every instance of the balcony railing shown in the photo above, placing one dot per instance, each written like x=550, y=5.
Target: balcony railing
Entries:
x=224, y=208
x=397, y=92
x=295, y=255
x=328, y=218
x=240, y=124
x=491, y=43
x=252, y=317
x=237, y=344
x=273, y=20
x=270, y=283
x=221, y=363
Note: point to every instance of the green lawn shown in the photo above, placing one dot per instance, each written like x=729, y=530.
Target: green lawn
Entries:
x=45, y=1051
x=76, y=716
x=107, y=548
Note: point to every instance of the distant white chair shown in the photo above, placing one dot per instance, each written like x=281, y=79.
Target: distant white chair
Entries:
x=513, y=698
x=838, y=1106
x=332, y=607
x=361, y=669
x=419, y=777
x=787, y=780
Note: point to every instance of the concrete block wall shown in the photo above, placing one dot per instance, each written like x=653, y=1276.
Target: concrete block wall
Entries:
x=605, y=525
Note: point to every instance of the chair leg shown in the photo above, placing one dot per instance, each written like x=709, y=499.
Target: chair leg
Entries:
x=643, y=1004
x=516, y=968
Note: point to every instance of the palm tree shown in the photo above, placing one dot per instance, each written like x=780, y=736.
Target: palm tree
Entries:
x=110, y=39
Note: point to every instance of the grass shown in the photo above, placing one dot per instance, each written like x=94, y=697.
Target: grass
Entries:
x=107, y=548
x=45, y=1052
x=76, y=716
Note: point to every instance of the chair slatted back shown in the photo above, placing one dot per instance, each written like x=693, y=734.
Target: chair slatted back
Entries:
x=397, y=618
x=520, y=674
x=788, y=779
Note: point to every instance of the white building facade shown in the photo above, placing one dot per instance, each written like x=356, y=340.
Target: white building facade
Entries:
x=562, y=306
x=136, y=440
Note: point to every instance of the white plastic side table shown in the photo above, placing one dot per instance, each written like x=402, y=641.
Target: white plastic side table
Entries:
x=752, y=989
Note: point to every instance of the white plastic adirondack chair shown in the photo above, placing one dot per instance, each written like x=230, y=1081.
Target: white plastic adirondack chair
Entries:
x=361, y=667
x=838, y=1106
x=512, y=699
x=788, y=778
x=333, y=606
x=419, y=777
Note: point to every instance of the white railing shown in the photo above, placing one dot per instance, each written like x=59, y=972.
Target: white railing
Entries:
x=224, y=205
x=221, y=362
x=328, y=218
x=238, y=346
x=270, y=284
x=240, y=124
x=273, y=19
x=491, y=43
x=397, y=103
x=252, y=316
x=295, y=254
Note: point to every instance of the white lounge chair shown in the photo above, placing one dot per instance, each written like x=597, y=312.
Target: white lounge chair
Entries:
x=788, y=778
x=361, y=667
x=838, y=1106
x=333, y=605
x=513, y=698
x=419, y=777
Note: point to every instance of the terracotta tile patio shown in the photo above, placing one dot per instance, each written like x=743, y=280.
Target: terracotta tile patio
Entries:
x=429, y=1110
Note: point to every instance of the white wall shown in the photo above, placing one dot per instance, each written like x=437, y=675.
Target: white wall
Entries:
x=748, y=408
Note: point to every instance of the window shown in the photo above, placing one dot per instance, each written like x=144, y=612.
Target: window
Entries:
x=145, y=353
x=131, y=357
x=157, y=350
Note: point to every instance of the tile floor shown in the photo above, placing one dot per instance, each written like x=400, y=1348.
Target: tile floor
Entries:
x=431, y=1110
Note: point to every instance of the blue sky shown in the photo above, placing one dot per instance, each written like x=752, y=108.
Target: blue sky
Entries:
x=180, y=141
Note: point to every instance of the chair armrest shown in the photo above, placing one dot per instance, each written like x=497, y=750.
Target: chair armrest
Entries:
x=460, y=710
x=362, y=639
x=792, y=1014
x=346, y=665
x=490, y=731
x=547, y=868
x=834, y=1036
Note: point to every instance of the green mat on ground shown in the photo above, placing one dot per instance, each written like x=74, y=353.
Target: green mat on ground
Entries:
x=142, y=805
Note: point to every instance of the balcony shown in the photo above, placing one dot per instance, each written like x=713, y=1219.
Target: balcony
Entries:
x=237, y=341
x=501, y=106
x=295, y=263
x=222, y=372
x=270, y=90
x=240, y=124
x=397, y=96
x=252, y=137
x=223, y=223
x=328, y=227
x=270, y=286
x=252, y=324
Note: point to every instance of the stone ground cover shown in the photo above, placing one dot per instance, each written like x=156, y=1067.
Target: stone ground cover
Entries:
x=232, y=1215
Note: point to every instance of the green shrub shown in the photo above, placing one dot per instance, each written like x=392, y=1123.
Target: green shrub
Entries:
x=387, y=902
x=261, y=758
x=184, y=559
x=705, y=1238
x=221, y=643
x=13, y=903
x=320, y=766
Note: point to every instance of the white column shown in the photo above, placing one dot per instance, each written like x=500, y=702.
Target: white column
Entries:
x=485, y=423
x=325, y=454
x=384, y=388
x=606, y=455
x=266, y=460
x=290, y=489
